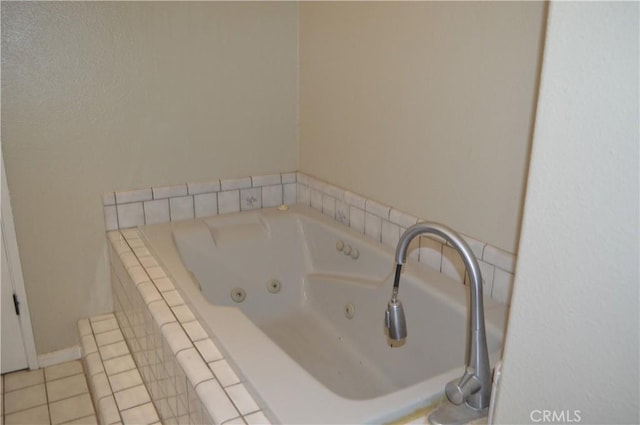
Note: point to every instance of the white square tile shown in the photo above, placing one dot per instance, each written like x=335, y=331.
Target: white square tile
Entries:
x=233, y=184
x=140, y=415
x=137, y=195
x=124, y=380
x=130, y=215
x=163, y=284
x=342, y=212
x=487, y=271
x=390, y=233
x=316, y=199
x=356, y=219
x=119, y=364
x=16, y=380
x=242, y=399
x=181, y=208
x=223, y=372
x=71, y=408
x=266, y=180
x=206, y=204
x=193, y=366
x=155, y=272
x=499, y=258
x=228, y=202
x=183, y=313
x=208, y=350
x=110, y=217
x=108, y=337
x=149, y=292
x=66, y=387
x=116, y=349
x=87, y=420
x=100, y=386
x=176, y=337
x=25, y=398
x=250, y=199
x=402, y=219
x=108, y=411
x=271, y=196
x=334, y=191
x=304, y=194
x=105, y=325
x=328, y=206
x=149, y=262
x=216, y=402
x=373, y=226
x=288, y=177
x=317, y=184
x=476, y=246
x=88, y=344
x=290, y=193
x=452, y=264
x=138, y=274
x=257, y=418
x=431, y=252
x=195, y=331
x=169, y=191
x=197, y=188
x=302, y=178
x=377, y=209
x=35, y=415
x=355, y=200
x=502, y=286
x=63, y=370
x=156, y=211
x=172, y=298
x=93, y=364
x=131, y=397
x=161, y=313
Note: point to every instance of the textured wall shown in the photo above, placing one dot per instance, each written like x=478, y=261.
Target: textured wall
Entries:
x=105, y=96
x=572, y=345
x=425, y=106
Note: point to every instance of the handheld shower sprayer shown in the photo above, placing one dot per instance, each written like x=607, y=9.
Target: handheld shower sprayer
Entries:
x=394, y=319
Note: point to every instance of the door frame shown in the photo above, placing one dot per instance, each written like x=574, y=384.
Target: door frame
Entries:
x=15, y=269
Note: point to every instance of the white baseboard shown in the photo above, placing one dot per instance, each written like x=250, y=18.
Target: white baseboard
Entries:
x=60, y=356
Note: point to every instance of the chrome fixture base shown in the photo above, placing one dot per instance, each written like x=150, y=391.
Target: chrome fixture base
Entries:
x=450, y=414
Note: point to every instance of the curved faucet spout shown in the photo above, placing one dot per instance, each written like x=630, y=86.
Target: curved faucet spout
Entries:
x=474, y=387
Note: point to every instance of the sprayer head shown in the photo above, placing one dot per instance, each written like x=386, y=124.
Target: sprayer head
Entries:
x=395, y=321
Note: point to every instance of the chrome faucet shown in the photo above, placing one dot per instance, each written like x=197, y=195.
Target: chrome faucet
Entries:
x=467, y=397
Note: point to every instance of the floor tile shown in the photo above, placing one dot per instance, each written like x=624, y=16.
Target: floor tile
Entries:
x=124, y=380
x=63, y=370
x=66, y=387
x=34, y=416
x=26, y=378
x=145, y=414
x=71, y=408
x=87, y=420
x=25, y=398
x=132, y=397
x=113, y=350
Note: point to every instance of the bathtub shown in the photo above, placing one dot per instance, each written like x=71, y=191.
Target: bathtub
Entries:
x=296, y=301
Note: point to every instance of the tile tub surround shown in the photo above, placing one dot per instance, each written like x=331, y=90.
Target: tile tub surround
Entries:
x=385, y=224
x=131, y=208
x=187, y=377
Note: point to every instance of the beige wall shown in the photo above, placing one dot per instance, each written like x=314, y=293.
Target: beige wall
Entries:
x=425, y=106
x=104, y=96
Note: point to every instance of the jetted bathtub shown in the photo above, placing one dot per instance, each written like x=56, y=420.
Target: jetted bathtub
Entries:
x=297, y=302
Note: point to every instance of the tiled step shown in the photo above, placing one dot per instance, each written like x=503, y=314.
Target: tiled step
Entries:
x=118, y=393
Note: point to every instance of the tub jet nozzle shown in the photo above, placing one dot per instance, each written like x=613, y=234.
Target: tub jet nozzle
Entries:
x=395, y=321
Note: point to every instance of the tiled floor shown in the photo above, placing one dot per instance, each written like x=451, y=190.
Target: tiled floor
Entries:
x=55, y=395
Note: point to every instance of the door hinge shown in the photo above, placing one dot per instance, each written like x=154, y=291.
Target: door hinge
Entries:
x=16, y=304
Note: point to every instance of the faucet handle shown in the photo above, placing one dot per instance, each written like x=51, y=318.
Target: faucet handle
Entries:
x=459, y=390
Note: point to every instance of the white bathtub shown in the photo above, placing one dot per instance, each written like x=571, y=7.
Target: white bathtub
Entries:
x=297, y=350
